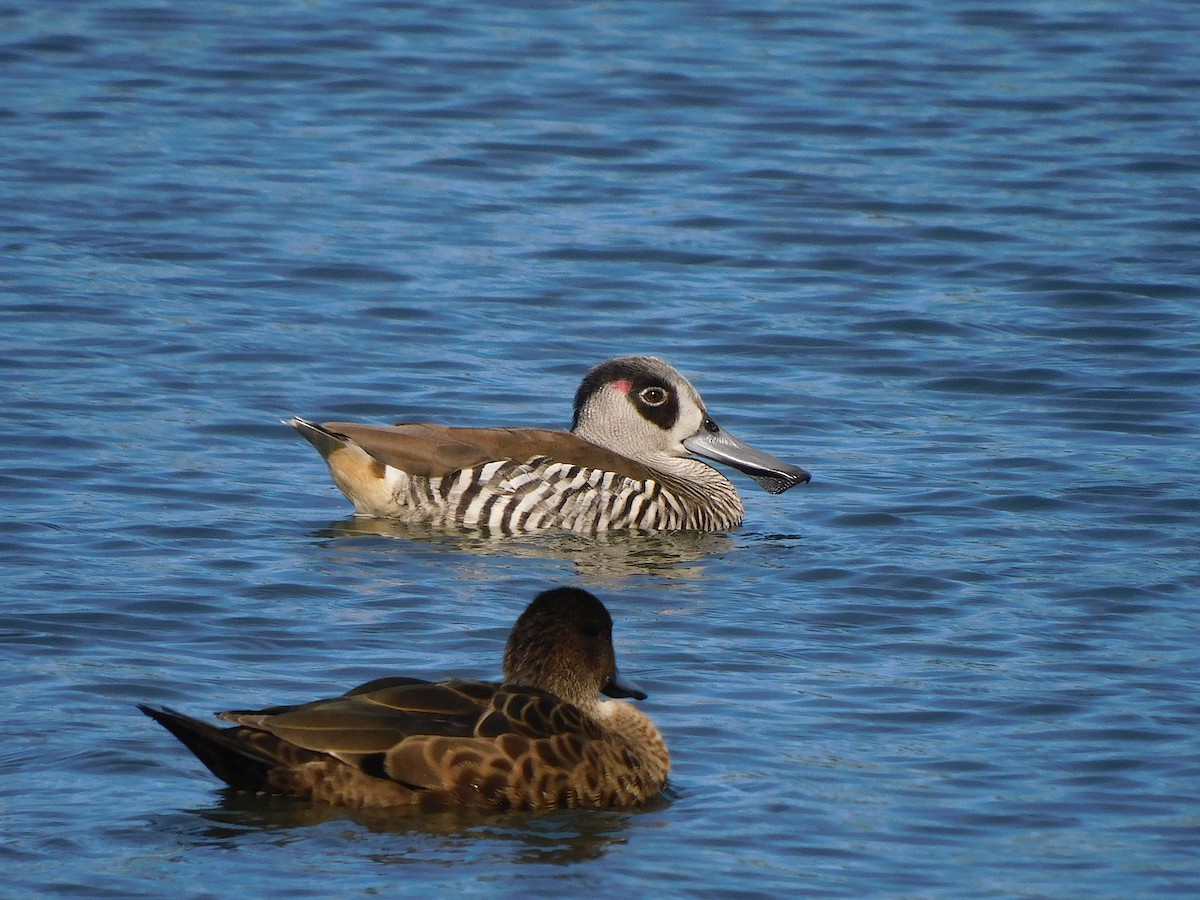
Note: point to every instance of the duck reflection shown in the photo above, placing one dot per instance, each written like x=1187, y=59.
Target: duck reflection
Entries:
x=600, y=557
x=557, y=838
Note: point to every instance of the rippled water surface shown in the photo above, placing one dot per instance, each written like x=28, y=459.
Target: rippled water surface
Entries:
x=946, y=256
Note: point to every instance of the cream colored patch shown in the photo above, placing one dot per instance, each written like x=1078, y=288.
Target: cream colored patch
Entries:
x=362, y=478
x=606, y=710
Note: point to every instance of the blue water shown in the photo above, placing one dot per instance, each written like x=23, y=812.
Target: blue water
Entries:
x=945, y=256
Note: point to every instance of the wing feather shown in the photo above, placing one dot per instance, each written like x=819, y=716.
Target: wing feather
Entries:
x=430, y=450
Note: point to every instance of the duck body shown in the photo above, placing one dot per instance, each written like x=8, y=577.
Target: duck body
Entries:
x=405, y=742
x=431, y=745
x=631, y=460
x=515, y=480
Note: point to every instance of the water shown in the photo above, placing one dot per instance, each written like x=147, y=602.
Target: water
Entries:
x=945, y=256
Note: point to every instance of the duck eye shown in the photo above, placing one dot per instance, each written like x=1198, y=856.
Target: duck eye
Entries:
x=653, y=396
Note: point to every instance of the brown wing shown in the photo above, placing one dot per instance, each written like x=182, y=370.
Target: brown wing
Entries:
x=530, y=751
x=439, y=450
x=376, y=716
x=467, y=742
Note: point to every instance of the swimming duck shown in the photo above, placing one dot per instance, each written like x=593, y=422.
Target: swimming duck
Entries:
x=543, y=739
x=632, y=459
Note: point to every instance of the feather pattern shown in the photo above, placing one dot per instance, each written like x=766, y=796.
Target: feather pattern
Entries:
x=540, y=740
x=631, y=460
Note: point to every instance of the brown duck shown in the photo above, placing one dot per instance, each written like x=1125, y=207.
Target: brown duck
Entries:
x=632, y=459
x=543, y=739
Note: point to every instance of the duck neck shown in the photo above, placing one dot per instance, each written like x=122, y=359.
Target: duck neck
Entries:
x=710, y=499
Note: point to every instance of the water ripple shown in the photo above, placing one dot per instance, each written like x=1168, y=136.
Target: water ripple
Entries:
x=944, y=257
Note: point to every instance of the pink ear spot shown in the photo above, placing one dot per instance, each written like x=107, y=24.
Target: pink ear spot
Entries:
x=622, y=385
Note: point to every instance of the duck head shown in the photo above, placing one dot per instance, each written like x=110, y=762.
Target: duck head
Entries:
x=644, y=409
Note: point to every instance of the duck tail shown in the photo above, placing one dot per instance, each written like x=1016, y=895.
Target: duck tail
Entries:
x=229, y=753
x=319, y=436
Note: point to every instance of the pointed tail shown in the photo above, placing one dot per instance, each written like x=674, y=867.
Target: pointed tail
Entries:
x=319, y=436
x=229, y=753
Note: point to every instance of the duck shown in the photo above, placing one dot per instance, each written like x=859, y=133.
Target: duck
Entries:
x=542, y=739
x=636, y=457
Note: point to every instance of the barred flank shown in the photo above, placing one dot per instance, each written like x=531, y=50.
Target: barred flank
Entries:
x=511, y=497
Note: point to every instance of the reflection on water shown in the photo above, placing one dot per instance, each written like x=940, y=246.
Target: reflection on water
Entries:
x=605, y=557
x=560, y=837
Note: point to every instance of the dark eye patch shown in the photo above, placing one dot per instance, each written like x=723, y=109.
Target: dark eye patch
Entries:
x=630, y=370
x=644, y=394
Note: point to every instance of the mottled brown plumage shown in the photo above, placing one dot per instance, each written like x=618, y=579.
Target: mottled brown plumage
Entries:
x=631, y=460
x=541, y=740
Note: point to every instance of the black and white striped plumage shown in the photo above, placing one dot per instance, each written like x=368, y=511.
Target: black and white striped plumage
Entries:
x=629, y=461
